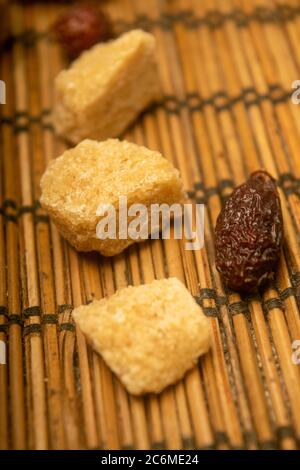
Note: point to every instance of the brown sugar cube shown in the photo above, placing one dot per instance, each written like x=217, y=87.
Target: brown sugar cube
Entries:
x=148, y=335
x=106, y=88
x=96, y=174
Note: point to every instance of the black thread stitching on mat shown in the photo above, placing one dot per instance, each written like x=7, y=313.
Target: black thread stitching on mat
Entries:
x=28, y=209
x=296, y=278
x=212, y=191
x=207, y=447
x=286, y=293
x=188, y=442
x=211, y=311
x=199, y=185
x=268, y=445
x=11, y=218
x=63, y=307
x=287, y=12
x=9, y=203
x=66, y=327
x=249, y=438
x=268, y=284
x=226, y=183
x=284, y=432
x=207, y=293
x=190, y=194
x=15, y=319
x=18, y=128
x=41, y=218
x=288, y=183
x=286, y=177
x=238, y=307
x=158, y=445
x=27, y=38
x=221, y=437
x=222, y=300
x=49, y=319
x=271, y=304
x=34, y=311
x=3, y=310
x=26, y=127
x=172, y=105
x=220, y=101
x=213, y=19
x=209, y=192
x=198, y=299
x=201, y=200
x=29, y=119
x=211, y=294
x=31, y=329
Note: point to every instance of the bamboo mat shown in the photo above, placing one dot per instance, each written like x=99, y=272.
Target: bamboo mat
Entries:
x=226, y=69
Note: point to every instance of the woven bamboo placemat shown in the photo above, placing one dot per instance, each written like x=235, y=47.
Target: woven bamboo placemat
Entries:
x=226, y=70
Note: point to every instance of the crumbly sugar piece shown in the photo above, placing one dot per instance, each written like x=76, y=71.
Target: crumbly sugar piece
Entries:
x=106, y=88
x=94, y=174
x=148, y=335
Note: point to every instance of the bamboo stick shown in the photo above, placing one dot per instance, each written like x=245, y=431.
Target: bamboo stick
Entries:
x=184, y=149
x=44, y=258
x=34, y=347
x=72, y=411
x=4, y=439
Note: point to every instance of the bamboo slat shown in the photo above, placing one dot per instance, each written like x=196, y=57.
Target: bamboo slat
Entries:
x=226, y=70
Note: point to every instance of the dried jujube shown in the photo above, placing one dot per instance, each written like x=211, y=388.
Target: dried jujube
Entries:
x=249, y=234
x=80, y=27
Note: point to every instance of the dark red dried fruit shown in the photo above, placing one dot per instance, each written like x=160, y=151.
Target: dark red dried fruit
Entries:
x=81, y=27
x=249, y=234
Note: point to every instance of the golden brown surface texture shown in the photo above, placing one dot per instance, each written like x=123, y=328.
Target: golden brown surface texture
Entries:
x=148, y=335
x=106, y=88
x=94, y=175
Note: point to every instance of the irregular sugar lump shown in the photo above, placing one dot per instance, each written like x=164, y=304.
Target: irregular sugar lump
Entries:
x=149, y=335
x=106, y=88
x=96, y=174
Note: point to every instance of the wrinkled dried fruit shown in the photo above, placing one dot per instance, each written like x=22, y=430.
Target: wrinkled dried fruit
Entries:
x=81, y=27
x=249, y=234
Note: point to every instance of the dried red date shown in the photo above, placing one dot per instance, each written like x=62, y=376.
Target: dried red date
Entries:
x=81, y=27
x=249, y=234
